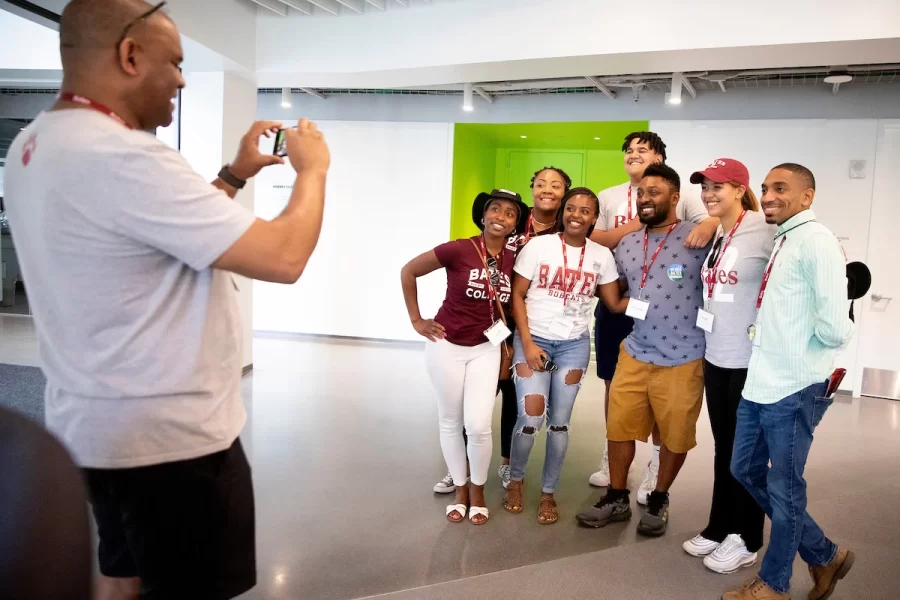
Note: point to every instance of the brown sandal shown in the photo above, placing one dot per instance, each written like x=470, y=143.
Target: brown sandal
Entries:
x=547, y=512
x=513, y=501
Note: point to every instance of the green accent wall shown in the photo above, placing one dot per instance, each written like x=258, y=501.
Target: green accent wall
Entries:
x=487, y=156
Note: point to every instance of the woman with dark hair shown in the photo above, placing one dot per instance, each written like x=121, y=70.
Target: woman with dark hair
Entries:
x=732, y=275
x=548, y=186
x=464, y=354
x=557, y=278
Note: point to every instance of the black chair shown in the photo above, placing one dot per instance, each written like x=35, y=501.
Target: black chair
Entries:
x=45, y=539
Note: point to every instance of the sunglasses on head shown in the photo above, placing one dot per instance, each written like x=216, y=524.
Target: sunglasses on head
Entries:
x=137, y=20
x=494, y=272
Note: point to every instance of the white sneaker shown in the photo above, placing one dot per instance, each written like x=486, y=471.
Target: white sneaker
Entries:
x=699, y=546
x=731, y=555
x=601, y=477
x=445, y=485
x=651, y=473
x=503, y=472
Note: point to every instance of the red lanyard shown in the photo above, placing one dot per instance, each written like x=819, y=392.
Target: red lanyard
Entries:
x=491, y=291
x=84, y=101
x=646, y=268
x=725, y=243
x=629, y=202
x=566, y=267
x=765, y=279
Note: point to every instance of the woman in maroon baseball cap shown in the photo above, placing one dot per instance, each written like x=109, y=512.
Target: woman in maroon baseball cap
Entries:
x=732, y=276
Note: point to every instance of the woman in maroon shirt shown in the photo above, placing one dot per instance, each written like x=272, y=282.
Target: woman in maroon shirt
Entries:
x=463, y=356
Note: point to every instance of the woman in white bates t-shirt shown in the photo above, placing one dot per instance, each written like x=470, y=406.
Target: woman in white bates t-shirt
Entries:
x=556, y=280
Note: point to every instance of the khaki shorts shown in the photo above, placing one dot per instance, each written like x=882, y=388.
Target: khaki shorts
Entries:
x=642, y=394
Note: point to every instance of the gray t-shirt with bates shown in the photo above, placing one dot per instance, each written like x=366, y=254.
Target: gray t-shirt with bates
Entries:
x=735, y=288
x=669, y=336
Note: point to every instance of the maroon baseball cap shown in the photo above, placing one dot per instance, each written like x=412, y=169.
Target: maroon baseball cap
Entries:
x=724, y=170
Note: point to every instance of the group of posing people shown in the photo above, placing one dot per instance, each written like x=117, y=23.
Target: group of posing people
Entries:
x=682, y=286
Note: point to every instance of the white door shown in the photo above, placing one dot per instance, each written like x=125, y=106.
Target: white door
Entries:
x=879, y=358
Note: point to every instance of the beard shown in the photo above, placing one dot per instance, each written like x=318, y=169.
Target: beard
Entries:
x=660, y=214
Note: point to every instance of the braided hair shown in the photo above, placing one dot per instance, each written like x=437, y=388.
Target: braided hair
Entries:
x=567, y=181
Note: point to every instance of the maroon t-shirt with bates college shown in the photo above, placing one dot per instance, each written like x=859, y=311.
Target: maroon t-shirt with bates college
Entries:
x=466, y=311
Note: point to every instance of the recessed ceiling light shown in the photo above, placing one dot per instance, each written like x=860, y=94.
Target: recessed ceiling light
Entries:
x=596, y=138
x=523, y=137
x=838, y=78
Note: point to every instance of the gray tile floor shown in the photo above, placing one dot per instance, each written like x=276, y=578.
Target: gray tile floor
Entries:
x=343, y=440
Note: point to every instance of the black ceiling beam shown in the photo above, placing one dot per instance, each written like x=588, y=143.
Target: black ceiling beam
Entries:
x=38, y=11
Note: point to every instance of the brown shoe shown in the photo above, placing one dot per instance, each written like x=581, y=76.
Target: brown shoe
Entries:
x=513, y=502
x=756, y=589
x=825, y=578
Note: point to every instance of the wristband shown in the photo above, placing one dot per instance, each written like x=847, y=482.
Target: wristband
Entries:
x=226, y=176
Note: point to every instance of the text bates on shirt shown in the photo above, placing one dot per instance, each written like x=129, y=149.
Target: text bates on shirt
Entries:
x=716, y=275
x=575, y=287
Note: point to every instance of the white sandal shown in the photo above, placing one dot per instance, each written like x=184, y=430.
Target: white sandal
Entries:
x=479, y=510
x=460, y=508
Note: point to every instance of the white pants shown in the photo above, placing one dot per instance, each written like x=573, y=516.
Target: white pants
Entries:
x=465, y=379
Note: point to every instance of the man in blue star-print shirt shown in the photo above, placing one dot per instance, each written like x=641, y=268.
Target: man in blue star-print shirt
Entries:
x=659, y=378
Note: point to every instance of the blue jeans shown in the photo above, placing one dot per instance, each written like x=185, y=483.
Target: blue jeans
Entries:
x=783, y=433
x=559, y=399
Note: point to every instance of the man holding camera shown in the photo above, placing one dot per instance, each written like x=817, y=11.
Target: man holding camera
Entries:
x=129, y=257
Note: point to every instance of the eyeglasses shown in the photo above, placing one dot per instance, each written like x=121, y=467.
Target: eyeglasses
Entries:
x=137, y=20
x=494, y=272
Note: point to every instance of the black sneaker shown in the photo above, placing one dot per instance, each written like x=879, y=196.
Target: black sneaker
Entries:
x=614, y=506
x=655, y=521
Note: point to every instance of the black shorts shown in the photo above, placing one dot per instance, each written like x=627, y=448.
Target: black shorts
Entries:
x=609, y=332
x=185, y=528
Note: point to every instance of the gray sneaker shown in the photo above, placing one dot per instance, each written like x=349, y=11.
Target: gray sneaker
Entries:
x=655, y=521
x=608, y=510
x=504, y=475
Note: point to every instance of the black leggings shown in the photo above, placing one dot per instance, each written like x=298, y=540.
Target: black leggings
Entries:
x=733, y=508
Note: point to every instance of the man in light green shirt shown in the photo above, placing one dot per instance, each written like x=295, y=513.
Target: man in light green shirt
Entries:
x=802, y=322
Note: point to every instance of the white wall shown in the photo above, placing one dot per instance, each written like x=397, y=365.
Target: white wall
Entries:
x=217, y=109
x=491, y=40
x=27, y=45
x=825, y=147
x=388, y=200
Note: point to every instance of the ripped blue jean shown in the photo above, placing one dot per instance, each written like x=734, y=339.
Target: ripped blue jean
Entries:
x=559, y=400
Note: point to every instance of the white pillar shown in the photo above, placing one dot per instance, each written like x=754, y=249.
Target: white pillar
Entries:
x=217, y=109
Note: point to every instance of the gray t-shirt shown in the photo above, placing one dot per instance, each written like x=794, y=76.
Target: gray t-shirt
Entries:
x=735, y=290
x=614, y=207
x=140, y=339
x=669, y=336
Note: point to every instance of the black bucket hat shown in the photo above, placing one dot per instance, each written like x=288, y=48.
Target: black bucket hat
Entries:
x=484, y=199
x=859, y=280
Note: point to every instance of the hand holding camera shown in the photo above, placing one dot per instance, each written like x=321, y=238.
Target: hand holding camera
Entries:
x=305, y=147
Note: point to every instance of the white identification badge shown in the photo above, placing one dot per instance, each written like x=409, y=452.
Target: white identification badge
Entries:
x=637, y=309
x=562, y=328
x=497, y=333
x=705, y=320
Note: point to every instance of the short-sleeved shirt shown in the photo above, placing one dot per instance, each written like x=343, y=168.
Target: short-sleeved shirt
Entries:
x=558, y=290
x=737, y=281
x=614, y=207
x=669, y=335
x=139, y=337
x=467, y=309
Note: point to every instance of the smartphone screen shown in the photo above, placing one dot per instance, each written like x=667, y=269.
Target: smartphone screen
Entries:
x=280, y=144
